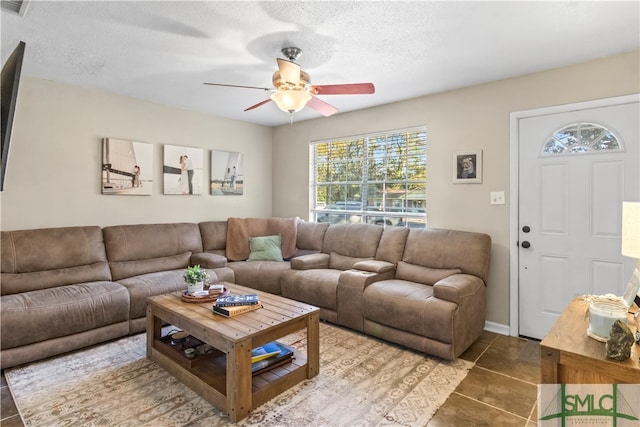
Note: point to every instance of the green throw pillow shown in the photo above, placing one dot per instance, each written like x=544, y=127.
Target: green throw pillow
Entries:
x=265, y=248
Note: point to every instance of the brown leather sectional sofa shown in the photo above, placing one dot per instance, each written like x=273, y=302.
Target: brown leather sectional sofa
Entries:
x=71, y=287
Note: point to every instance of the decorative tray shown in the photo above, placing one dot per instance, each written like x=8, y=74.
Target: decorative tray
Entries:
x=204, y=296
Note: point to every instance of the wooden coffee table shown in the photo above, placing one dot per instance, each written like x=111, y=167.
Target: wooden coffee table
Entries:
x=569, y=356
x=224, y=377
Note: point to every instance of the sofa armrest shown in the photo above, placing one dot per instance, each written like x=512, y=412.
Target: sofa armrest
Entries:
x=310, y=261
x=374, y=266
x=350, y=295
x=208, y=260
x=457, y=287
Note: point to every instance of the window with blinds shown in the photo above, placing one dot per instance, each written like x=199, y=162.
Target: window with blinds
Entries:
x=375, y=179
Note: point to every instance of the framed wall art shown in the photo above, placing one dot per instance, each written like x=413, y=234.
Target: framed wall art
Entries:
x=227, y=173
x=127, y=167
x=467, y=167
x=183, y=170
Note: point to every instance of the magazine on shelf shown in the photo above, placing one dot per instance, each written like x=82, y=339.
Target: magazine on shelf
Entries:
x=235, y=310
x=284, y=355
x=234, y=300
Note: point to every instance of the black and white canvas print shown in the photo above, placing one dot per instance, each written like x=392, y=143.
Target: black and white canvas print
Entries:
x=127, y=167
x=227, y=173
x=183, y=170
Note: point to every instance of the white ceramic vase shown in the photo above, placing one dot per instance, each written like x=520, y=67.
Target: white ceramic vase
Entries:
x=194, y=287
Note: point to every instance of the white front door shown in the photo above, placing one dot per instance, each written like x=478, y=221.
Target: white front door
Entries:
x=569, y=214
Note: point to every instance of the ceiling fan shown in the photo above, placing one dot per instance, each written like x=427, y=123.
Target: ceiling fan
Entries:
x=293, y=91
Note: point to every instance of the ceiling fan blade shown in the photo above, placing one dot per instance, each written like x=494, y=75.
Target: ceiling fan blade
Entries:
x=321, y=107
x=243, y=87
x=259, y=104
x=344, y=89
x=289, y=71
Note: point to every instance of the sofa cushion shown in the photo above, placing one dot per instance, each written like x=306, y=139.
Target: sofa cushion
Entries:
x=310, y=261
x=147, y=285
x=261, y=275
x=240, y=229
x=310, y=236
x=265, y=248
x=342, y=262
x=424, y=275
x=391, y=246
x=214, y=236
x=123, y=269
x=436, y=248
x=25, y=251
x=49, y=257
x=410, y=306
x=374, y=266
x=45, y=314
x=316, y=287
x=25, y=282
x=144, y=248
x=353, y=240
x=208, y=260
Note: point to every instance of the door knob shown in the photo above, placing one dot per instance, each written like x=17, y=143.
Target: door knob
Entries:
x=526, y=229
x=526, y=244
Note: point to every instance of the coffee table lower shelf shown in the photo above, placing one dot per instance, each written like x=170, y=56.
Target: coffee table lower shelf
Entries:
x=207, y=376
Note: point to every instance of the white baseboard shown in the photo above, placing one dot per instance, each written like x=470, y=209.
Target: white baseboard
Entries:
x=497, y=328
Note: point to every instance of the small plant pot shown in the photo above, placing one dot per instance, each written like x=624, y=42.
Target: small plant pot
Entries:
x=194, y=287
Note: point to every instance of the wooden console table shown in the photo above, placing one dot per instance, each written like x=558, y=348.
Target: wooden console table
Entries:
x=569, y=356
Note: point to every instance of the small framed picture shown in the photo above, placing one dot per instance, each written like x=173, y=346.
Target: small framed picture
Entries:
x=467, y=167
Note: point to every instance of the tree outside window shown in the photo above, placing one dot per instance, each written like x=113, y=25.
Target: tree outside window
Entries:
x=376, y=179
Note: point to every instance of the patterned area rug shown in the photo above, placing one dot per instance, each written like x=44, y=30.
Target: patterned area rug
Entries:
x=362, y=382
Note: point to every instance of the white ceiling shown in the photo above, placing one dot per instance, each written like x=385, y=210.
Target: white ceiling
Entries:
x=163, y=51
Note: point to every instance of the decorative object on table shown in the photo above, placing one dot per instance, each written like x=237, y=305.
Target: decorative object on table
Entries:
x=467, y=167
x=195, y=276
x=602, y=314
x=235, y=310
x=620, y=341
x=234, y=300
x=206, y=295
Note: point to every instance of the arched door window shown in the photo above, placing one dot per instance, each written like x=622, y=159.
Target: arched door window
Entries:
x=581, y=138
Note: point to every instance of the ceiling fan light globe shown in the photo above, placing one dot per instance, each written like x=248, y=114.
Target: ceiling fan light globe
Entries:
x=291, y=101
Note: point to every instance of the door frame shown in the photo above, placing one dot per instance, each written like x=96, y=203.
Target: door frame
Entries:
x=514, y=118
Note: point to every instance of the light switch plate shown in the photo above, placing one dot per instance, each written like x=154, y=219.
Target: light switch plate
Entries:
x=496, y=197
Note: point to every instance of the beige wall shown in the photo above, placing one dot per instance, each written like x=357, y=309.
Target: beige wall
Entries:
x=53, y=175
x=470, y=118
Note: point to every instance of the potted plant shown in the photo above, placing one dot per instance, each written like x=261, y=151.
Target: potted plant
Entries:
x=195, y=277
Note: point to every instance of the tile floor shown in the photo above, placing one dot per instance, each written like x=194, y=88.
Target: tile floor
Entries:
x=501, y=388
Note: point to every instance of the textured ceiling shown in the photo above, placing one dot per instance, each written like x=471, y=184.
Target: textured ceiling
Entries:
x=163, y=51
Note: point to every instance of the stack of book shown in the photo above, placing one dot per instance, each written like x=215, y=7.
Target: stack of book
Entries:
x=269, y=356
x=232, y=305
